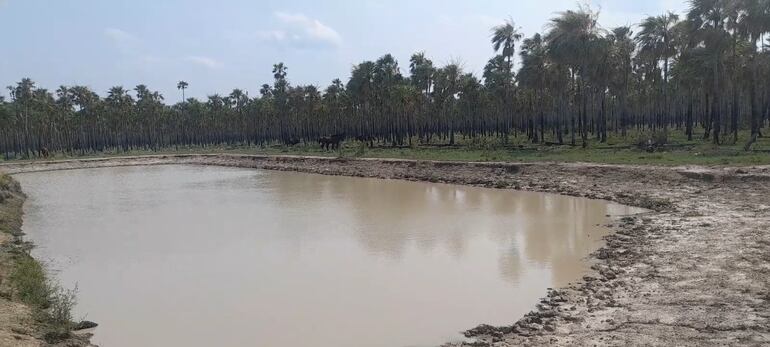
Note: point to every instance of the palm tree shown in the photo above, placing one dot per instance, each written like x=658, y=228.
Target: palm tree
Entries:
x=279, y=71
x=708, y=18
x=622, y=50
x=753, y=22
x=360, y=88
x=280, y=97
x=532, y=76
x=265, y=90
x=571, y=39
x=656, y=41
x=23, y=94
x=421, y=70
x=447, y=86
x=505, y=36
x=182, y=85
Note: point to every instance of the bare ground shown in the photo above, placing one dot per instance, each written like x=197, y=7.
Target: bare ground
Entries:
x=693, y=272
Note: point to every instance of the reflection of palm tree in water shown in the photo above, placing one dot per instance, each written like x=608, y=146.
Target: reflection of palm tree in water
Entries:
x=386, y=216
x=564, y=235
x=390, y=217
x=406, y=213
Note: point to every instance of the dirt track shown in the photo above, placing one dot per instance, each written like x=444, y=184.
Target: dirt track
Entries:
x=694, y=272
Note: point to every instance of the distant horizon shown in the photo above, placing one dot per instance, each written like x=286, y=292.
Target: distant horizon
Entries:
x=130, y=43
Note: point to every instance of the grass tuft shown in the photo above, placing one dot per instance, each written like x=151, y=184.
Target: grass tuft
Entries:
x=30, y=280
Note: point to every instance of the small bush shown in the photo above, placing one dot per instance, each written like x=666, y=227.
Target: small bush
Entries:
x=61, y=305
x=31, y=284
x=59, y=314
x=51, y=303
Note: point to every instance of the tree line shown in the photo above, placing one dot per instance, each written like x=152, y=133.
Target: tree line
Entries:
x=706, y=71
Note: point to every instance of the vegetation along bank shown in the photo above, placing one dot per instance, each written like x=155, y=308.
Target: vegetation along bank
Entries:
x=34, y=309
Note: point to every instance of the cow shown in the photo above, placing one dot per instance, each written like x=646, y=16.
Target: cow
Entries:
x=331, y=142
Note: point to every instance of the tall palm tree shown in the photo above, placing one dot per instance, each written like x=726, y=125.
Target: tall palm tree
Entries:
x=709, y=19
x=571, y=38
x=656, y=41
x=622, y=52
x=23, y=94
x=421, y=70
x=753, y=22
x=182, y=85
x=532, y=77
x=279, y=71
x=504, y=37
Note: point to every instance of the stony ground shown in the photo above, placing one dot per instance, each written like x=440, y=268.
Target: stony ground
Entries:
x=695, y=271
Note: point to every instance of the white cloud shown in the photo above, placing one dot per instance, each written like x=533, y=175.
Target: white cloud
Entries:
x=207, y=62
x=120, y=36
x=301, y=31
x=312, y=28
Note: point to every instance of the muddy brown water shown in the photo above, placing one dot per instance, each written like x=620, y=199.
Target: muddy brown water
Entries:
x=207, y=256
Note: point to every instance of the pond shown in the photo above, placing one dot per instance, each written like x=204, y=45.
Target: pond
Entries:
x=204, y=256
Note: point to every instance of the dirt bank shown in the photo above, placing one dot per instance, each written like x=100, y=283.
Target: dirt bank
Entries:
x=694, y=272
x=21, y=324
x=15, y=318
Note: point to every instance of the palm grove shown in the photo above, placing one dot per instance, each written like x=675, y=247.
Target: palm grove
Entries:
x=706, y=72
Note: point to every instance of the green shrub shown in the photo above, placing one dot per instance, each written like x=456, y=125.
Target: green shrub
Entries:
x=62, y=302
x=59, y=314
x=31, y=284
x=52, y=305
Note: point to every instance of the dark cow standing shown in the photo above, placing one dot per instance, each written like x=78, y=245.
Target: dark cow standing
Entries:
x=331, y=142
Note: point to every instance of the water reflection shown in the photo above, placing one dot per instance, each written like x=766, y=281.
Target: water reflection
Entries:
x=172, y=253
x=548, y=230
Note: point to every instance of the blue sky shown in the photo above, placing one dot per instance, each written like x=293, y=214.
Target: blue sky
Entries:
x=220, y=45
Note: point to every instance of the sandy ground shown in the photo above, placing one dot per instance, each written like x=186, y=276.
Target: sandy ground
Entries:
x=693, y=272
